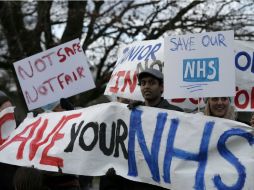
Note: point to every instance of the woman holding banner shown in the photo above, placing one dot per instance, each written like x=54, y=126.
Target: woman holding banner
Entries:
x=220, y=107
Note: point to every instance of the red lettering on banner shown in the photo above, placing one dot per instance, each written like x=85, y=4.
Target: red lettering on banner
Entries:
x=237, y=96
x=37, y=140
x=4, y=119
x=50, y=160
x=132, y=83
x=247, y=97
x=115, y=88
x=178, y=100
x=252, y=98
x=181, y=100
x=195, y=101
x=34, y=143
x=21, y=138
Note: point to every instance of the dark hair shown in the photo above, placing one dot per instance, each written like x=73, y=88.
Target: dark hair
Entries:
x=29, y=179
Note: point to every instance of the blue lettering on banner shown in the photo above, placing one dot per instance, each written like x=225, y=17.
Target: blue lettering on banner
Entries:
x=201, y=157
x=201, y=70
x=247, y=63
x=225, y=153
x=139, y=53
x=151, y=159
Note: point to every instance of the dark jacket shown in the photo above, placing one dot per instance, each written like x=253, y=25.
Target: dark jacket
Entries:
x=7, y=173
x=119, y=183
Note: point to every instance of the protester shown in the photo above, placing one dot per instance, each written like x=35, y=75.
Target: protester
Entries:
x=151, y=84
x=220, y=107
x=29, y=179
x=6, y=171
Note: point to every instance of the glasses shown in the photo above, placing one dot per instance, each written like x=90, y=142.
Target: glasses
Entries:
x=216, y=99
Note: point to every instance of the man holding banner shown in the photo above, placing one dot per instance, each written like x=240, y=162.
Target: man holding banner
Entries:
x=151, y=85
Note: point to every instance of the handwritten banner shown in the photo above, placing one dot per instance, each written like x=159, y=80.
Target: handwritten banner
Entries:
x=156, y=146
x=199, y=65
x=59, y=72
x=132, y=59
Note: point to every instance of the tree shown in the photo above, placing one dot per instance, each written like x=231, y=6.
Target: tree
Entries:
x=28, y=27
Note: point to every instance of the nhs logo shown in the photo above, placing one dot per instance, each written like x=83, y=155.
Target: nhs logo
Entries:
x=201, y=70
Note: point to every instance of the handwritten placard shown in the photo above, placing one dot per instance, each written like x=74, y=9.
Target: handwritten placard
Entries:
x=199, y=65
x=59, y=72
x=132, y=59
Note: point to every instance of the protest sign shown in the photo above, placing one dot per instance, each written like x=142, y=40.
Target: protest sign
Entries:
x=199, y=65
x=244, y=66
x=59, y=72
x=7, y=123
x=132, y=59
x=166, y=148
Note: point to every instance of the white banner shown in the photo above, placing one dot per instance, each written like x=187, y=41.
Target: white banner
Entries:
x=59, y=72
x=171, y=149
x=132, y=59
x=199, y=65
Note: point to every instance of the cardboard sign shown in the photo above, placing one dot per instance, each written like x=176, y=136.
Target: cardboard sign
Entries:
x=132, y=59
x=59, y=72
x=199, y=65
x=166, y=148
